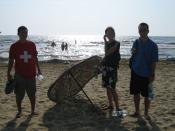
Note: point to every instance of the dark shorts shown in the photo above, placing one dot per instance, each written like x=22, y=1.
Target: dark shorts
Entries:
x=139, y=84
x=109, y=77
x=23, y=84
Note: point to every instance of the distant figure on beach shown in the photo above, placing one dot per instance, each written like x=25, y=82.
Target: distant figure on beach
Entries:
x=23, y=54
x=53, y=44
x=110, y=64
x=145, y=56
x=75, y=41
x=62, y=46
x=66, y=46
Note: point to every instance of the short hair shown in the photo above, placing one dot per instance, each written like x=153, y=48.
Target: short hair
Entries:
x=144, y=24
x=22, y=28
x=110, y=28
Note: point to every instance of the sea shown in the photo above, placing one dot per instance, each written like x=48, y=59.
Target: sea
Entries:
x=83, y=46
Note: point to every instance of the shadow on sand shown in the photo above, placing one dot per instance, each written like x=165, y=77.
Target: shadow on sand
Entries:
x=12, y=126
x=78, y=114
x=146, y=125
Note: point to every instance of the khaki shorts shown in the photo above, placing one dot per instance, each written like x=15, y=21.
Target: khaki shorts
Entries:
x=22, y=85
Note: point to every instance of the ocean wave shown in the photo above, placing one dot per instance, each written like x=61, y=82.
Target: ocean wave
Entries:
x=171, y=43
x=83, y=47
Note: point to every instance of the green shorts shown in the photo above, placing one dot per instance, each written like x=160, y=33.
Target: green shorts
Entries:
x=23, y=84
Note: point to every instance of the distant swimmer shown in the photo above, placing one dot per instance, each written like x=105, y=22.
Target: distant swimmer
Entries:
x=66, y=46
x=53, y=44
x=63, y=46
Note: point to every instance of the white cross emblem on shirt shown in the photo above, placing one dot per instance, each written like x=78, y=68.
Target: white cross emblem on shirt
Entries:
x=26, y=57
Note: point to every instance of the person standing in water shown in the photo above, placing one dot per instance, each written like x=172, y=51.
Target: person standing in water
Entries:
x=53, y=44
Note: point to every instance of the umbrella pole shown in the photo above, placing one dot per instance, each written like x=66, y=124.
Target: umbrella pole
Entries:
x=82, y=89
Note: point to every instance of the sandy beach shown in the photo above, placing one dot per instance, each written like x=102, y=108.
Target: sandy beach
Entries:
x=77, y=114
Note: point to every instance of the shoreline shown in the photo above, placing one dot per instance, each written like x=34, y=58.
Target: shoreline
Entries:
x=58, y=61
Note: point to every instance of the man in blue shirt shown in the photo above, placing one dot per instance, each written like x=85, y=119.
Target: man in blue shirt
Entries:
x=145, y=56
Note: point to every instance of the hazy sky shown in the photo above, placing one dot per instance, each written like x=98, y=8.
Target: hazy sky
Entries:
x=61, y=17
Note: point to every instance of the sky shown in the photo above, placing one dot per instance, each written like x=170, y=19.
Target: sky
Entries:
x=87, y=17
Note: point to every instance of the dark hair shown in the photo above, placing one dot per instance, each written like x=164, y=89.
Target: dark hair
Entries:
x=22, y=28
x=144, y=24
x=110, y=28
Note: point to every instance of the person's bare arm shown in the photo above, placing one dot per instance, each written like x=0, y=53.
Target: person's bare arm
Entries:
x=38, y=67
x=112, y=50
x=10, y=65
x=152, y=76
x=105, y=38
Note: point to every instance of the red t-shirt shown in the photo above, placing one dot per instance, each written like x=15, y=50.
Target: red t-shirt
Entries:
x=25, y=55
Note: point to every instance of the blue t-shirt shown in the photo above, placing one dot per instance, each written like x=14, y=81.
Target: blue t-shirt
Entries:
x=146, y=54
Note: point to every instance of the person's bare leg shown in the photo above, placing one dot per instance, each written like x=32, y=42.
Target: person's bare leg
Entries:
x=137, y=104
x=109, y=95
x=33, y=101
x=115, y=96
x=18, y=103
x=147, y=106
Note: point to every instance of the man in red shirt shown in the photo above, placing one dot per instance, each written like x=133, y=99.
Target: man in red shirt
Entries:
x=23, y=55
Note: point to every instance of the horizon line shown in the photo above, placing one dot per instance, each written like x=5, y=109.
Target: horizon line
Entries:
x=85, y=35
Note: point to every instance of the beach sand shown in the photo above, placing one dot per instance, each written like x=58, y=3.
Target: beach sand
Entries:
x=77, y=114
